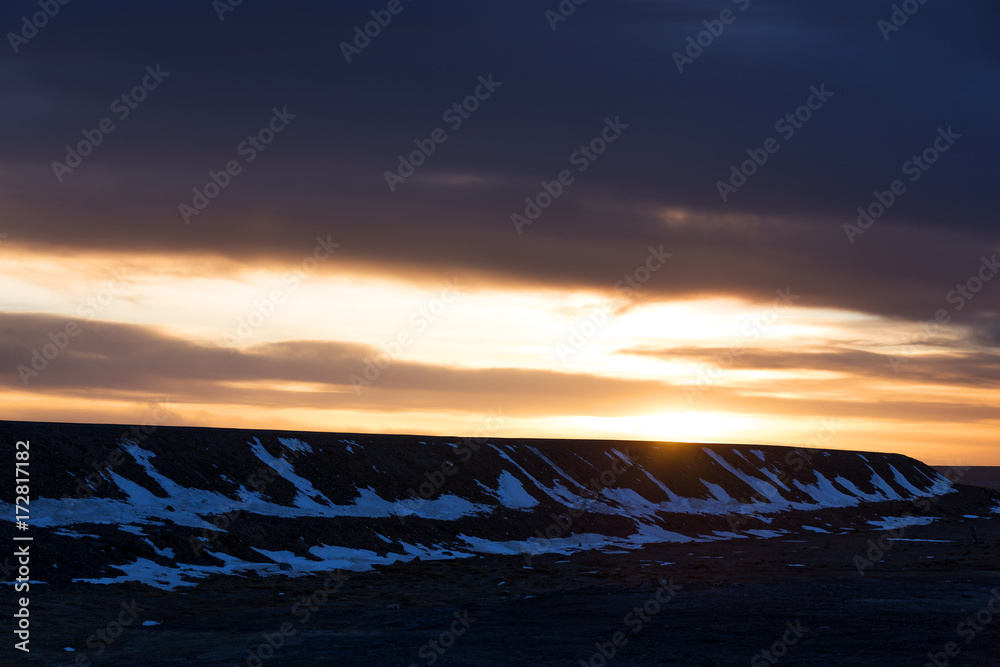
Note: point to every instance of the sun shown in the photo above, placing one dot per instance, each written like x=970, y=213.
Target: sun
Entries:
x=691, y=425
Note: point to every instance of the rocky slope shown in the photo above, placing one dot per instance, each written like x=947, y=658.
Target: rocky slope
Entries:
x=176, y=505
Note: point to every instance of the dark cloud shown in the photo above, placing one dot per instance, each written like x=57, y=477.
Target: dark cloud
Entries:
x=324, y=174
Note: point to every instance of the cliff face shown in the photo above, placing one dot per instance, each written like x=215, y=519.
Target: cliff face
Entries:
x=179, y=504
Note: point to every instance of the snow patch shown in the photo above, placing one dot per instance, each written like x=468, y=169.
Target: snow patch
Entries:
x=889, y=522
x=815, y=530
x=511, y=493
x=296, y=445
x=914, y=539
x=758, y=532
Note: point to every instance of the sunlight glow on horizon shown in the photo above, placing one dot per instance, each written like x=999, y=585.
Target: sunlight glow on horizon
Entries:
x=498, y=328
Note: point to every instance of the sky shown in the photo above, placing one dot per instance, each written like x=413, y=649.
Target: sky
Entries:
x=760, y=221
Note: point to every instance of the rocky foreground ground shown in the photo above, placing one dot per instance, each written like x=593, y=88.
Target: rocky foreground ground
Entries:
x=796, y=600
